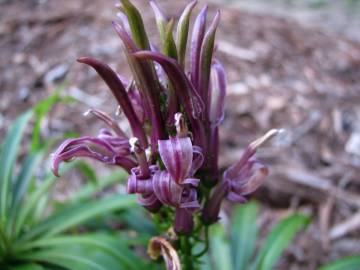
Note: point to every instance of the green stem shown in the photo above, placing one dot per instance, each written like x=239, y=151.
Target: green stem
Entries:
x=201, y=253
x=186, y=252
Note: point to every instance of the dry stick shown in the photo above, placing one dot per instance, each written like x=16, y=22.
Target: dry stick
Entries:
x=302, y=177
x=345, y=227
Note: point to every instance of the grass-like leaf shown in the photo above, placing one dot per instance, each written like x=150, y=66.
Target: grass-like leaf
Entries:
x=29, y=266
x=220, y=249
x=7, y=161
x=74, y=215
x=347, y=263
x=243, y=234
x=108, y=244
x=278, y=239
x=64, y=258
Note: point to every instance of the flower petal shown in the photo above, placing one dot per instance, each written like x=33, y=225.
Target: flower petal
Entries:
x=166, y=190
x=196, y=42
x=184, y=89
x=177, y=155
x=118, y=90
x=160, y=246
x=92, y=147
x=217, y=93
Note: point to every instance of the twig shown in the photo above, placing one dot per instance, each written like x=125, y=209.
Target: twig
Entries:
x=345, y=227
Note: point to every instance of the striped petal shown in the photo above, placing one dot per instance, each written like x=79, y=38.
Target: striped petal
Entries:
x=177, y=156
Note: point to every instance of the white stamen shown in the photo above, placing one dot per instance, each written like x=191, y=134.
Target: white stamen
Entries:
x=270, y=134
x=118, y=111
x=148, y=153
x=177, y=118
x=87, y=112
x=133, y=141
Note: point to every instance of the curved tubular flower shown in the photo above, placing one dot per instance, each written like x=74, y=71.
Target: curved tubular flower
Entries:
x=196, y=42
x=159, y=246
x=177, y=155
x=241, y=179
x=185, y=91
x=110, y=122
x=173, y=194
x=105, y=148
x=217, y=93
x=143, y=186
x=118, y=90
x=206, y=56
x=148, y=83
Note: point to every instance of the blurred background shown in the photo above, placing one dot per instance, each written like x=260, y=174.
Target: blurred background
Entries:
x=291, y=64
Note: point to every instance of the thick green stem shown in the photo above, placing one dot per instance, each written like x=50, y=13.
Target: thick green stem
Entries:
x=186, y=253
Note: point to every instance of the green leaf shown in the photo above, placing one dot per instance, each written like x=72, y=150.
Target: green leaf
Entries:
x=347, y=263
x=27, y=267
x=7, y=162
x=74, y=215
x=87, y=171
x=25, y=212
x=182, y=32
x=220, y=249
x=21, y=183
x=278, y=239
x=110, y=245
x=64, y=258
x=243, y=234
x=136, y=218
x=94, y=186
x=136, y=25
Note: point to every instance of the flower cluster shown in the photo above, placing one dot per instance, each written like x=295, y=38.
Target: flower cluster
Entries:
x=174, y=115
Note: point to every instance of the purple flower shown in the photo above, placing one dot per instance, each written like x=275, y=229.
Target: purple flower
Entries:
x=171, y=156
x=175, y=186
x=241, y=179
x=108, y=147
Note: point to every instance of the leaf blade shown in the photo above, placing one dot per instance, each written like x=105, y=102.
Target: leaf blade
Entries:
x=347, y=263
x=243, y=234
x=7, y=160
x=278, y=239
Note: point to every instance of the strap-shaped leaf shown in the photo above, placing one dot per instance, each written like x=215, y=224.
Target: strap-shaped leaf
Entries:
x=136, y=25
x=220, y=249
x=7, y=161
x=347, y=263
x=27, y=171
x=64, y=258
x=111, y=245
x=182, y=32
x=24, y=215
x=278, y=239
x=31, y=266
x=243, y=235
x=74, y=215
